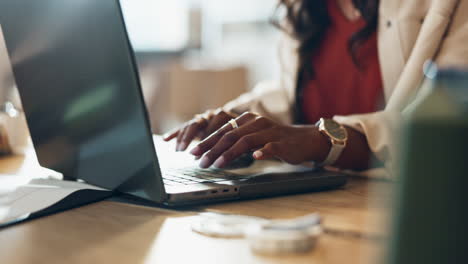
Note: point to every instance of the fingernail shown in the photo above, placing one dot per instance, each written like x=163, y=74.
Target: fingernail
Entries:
x=177, y=148
x=219, y=163
x=258, y=154
x=196, y=151
x=197, y=157
x=183, y=146
x=205, y=163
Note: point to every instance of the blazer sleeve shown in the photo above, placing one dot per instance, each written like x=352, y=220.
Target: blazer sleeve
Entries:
x=273, y=99
x=382, y=128
x=267, y=99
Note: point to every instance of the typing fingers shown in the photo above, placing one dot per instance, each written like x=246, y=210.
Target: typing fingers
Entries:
x=171, y=135
x=211, y=140
x=191, y=132
x=237, y=142
x=279, y=150
x=243, y=145
x=218, y=119
x=180, y=136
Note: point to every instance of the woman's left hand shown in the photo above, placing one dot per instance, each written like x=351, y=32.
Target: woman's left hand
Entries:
x=292, y=144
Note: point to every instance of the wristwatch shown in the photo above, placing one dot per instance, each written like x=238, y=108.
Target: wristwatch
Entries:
x=338, y=137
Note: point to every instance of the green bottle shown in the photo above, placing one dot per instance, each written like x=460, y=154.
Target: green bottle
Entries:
x=431, y=212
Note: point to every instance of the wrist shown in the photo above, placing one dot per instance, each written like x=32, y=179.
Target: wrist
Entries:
x=337, y=136
x=323, y=146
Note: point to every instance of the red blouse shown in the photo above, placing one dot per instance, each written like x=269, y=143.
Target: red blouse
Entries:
x=339, y=87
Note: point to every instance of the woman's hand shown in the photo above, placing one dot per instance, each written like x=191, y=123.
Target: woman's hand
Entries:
x=199, y=127
x=292, y=144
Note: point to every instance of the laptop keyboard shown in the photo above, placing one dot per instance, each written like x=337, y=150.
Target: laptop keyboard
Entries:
x=187, y=176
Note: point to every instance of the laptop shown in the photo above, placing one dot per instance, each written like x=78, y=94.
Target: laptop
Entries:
x=78, y=81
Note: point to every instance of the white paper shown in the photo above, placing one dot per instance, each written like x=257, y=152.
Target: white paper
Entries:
x=19, y=201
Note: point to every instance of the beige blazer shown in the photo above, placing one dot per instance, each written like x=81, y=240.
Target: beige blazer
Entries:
x=410, y=32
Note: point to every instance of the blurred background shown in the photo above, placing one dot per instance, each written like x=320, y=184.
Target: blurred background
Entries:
x=195, y=55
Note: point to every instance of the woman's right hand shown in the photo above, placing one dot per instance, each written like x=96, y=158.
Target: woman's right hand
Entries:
x=200, y=127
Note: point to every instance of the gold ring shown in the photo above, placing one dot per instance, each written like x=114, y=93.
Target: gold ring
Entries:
x=233, y=123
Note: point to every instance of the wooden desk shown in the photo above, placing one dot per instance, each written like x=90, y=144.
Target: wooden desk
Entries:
x=109, y=232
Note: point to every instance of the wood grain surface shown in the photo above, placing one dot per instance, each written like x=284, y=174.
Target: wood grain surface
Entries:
x=355, y=220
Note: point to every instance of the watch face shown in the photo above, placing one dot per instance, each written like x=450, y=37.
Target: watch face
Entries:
x=335, y=130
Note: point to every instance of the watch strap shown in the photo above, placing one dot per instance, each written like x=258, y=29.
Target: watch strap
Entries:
x=333, y=155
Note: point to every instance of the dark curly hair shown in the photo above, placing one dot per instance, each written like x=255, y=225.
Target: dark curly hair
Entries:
x=307, y=21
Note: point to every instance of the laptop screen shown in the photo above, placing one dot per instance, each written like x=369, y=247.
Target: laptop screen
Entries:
x=79, y=86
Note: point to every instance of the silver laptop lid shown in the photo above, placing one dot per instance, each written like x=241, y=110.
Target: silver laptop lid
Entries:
x=76, y=74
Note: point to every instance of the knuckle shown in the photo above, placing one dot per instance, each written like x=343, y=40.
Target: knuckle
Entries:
x=209, y=112
x=273, y=147
x=223, y=116
x=262, y=120
x=193, y=124
x=229, y=137
x=207, y=116
x=251, y=115
x=188, y=136
x=217, y=135
x=246, y=141
x=210, y=155
x=248, y=115
x=220, y=112
x=199, y=121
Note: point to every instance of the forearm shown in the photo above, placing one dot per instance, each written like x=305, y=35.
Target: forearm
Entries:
x=292, y=144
